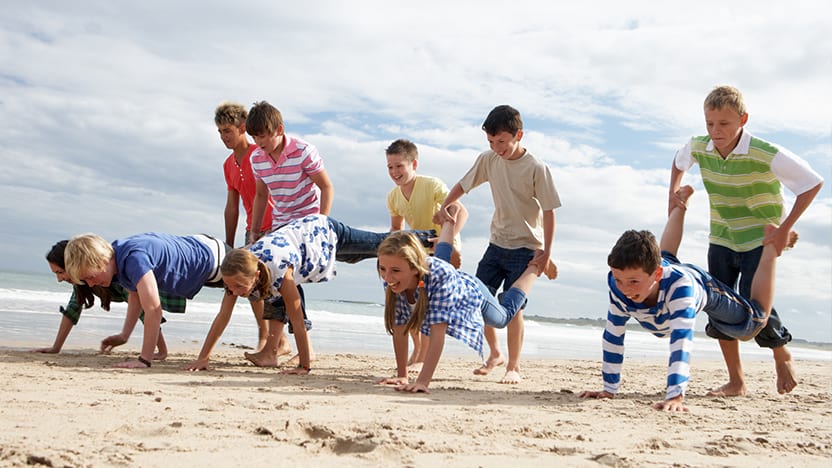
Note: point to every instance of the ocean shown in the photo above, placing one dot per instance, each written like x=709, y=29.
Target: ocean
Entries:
x=29, y=318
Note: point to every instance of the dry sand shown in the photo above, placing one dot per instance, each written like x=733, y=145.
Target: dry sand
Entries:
x=72, y=409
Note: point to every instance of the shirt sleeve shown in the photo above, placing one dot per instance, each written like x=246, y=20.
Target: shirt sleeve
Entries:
x=682, y=305
x=72, y=311
x=684, y=159
x=613, y=345
x=794, y=172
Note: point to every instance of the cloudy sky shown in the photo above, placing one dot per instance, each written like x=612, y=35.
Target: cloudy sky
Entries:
x=106, y=116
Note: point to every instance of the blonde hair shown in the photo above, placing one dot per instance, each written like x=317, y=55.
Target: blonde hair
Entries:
x=86, y=253
x=722, y=96
x=230, y=113
x=406, y=246
x=241, y=261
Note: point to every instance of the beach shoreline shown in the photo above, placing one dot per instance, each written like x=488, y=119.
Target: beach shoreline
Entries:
x=74, y=409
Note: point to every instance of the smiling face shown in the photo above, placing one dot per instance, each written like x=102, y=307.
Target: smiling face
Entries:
x=506, y=145
x=240, y=284
x=398, y=274
x=401, y=169
x=99, y=277
x=724, y=127
x=638, y=285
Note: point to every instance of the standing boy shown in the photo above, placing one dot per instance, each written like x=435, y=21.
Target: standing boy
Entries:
x=414, y=200
x=291, y=173
x=230, y=119
x=744, y=178
x=648, y=283
x=523, y=225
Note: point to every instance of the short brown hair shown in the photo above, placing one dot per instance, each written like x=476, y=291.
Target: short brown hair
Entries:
x=405, y=148
x=636, y=249
x=503, y=119
x=726, y=96
x=263, y=119
x=230, y=113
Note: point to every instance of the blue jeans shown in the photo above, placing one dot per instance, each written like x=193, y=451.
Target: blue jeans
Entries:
x=728, y=267
x=496, y=313
x=355, y=245
x=728, y=313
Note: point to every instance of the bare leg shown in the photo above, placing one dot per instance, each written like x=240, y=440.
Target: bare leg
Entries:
x=267, y=357
x=161, y=347
x=733, y=363
x=495, y=357
x=786, y=379
x=675, y=226
x=417, y=343
x=295, y=360
x=516, y=329
x=262, y=325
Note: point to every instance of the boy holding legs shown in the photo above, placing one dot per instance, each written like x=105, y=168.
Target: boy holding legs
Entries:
x=744, y=178
x=523, y=224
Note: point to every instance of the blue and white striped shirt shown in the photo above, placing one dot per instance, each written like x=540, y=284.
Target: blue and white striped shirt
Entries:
x=682, y=294
x=453, y=298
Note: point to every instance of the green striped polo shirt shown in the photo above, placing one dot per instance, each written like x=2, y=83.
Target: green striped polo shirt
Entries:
x=744, y=193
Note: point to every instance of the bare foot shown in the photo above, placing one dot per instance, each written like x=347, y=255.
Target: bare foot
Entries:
x=786, y=381
x=284, y=348
x=489, y=365
x=511, y=377
x=262, y=359
x=295, y=360
x=551, y=270
x=160, y=356
x=414, y=368
x=684, y=194
x=728, y=390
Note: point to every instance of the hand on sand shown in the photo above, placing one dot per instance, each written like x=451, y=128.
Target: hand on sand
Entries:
x=596, y=395
x=107, y=344
x=132, y=364
x=198, y=365
x=675, y=404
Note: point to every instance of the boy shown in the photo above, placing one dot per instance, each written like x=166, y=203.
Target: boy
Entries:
x=648, y=283
x=743, y=176
x=230, y=119
x=290, y=172
x=523, y=224
x=415, y=199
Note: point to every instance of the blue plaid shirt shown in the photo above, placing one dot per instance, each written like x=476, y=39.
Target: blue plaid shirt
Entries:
x=453, y=298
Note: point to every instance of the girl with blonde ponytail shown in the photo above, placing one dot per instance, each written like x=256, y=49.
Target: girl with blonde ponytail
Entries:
x=429, y=294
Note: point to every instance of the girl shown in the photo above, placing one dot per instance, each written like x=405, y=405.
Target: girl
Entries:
x=270, y=270
x=83, y=297
x=429, y=294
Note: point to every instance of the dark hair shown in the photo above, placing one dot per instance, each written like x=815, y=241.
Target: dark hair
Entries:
x=503, y=119
x=84, y=294
x=263, y=119
x=404, y=147
x=635, y=249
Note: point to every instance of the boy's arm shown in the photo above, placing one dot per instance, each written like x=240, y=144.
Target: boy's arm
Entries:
x=321, y=179
x=232, y=215
x=145, y=298
x=134, y=309
x=396, y=223
x=258, y=209
x=541, y=257
x=673, y=200
x=217, y=327
x=780, y=236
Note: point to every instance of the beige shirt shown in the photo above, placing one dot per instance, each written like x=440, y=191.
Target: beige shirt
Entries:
x=521, y=189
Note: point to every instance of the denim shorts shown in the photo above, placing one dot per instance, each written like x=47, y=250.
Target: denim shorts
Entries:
x=274, y=308
x=501, y=267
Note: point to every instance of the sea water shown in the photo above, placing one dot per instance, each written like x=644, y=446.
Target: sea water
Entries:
x=29, y=318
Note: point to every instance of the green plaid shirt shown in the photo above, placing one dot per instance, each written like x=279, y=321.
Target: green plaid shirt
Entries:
x=173, y=304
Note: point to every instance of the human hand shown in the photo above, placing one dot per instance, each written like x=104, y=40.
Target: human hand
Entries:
x=132, y=364
x=597, y=395
x=675, y=404
x=50, y=350
x=781, y=239
x=540, y=260
x=198, y=365
x=393, y=381
x=676, y=201
x=415, y=387
x=107, y=344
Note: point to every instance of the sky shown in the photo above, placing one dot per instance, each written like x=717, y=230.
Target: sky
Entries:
x=106, y=117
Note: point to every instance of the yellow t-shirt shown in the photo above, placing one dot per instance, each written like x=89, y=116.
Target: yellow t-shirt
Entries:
x=428, y=195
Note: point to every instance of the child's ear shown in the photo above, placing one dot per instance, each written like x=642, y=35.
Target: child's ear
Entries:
x=744, y=119
x=519, y=135
x=415, y=164
x=279, y=130
x=658, y=274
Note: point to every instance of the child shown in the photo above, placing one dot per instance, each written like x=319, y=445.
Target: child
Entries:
x=648, y=283
x=287, y=169
x=743, y=176
x=145, y=264
x=303, y=251
x=230, y=119
x=415, y=199
x=429, y=294
x=83, y=297
x=523, y=225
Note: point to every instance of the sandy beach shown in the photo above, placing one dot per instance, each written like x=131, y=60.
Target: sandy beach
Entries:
x=73, y=409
